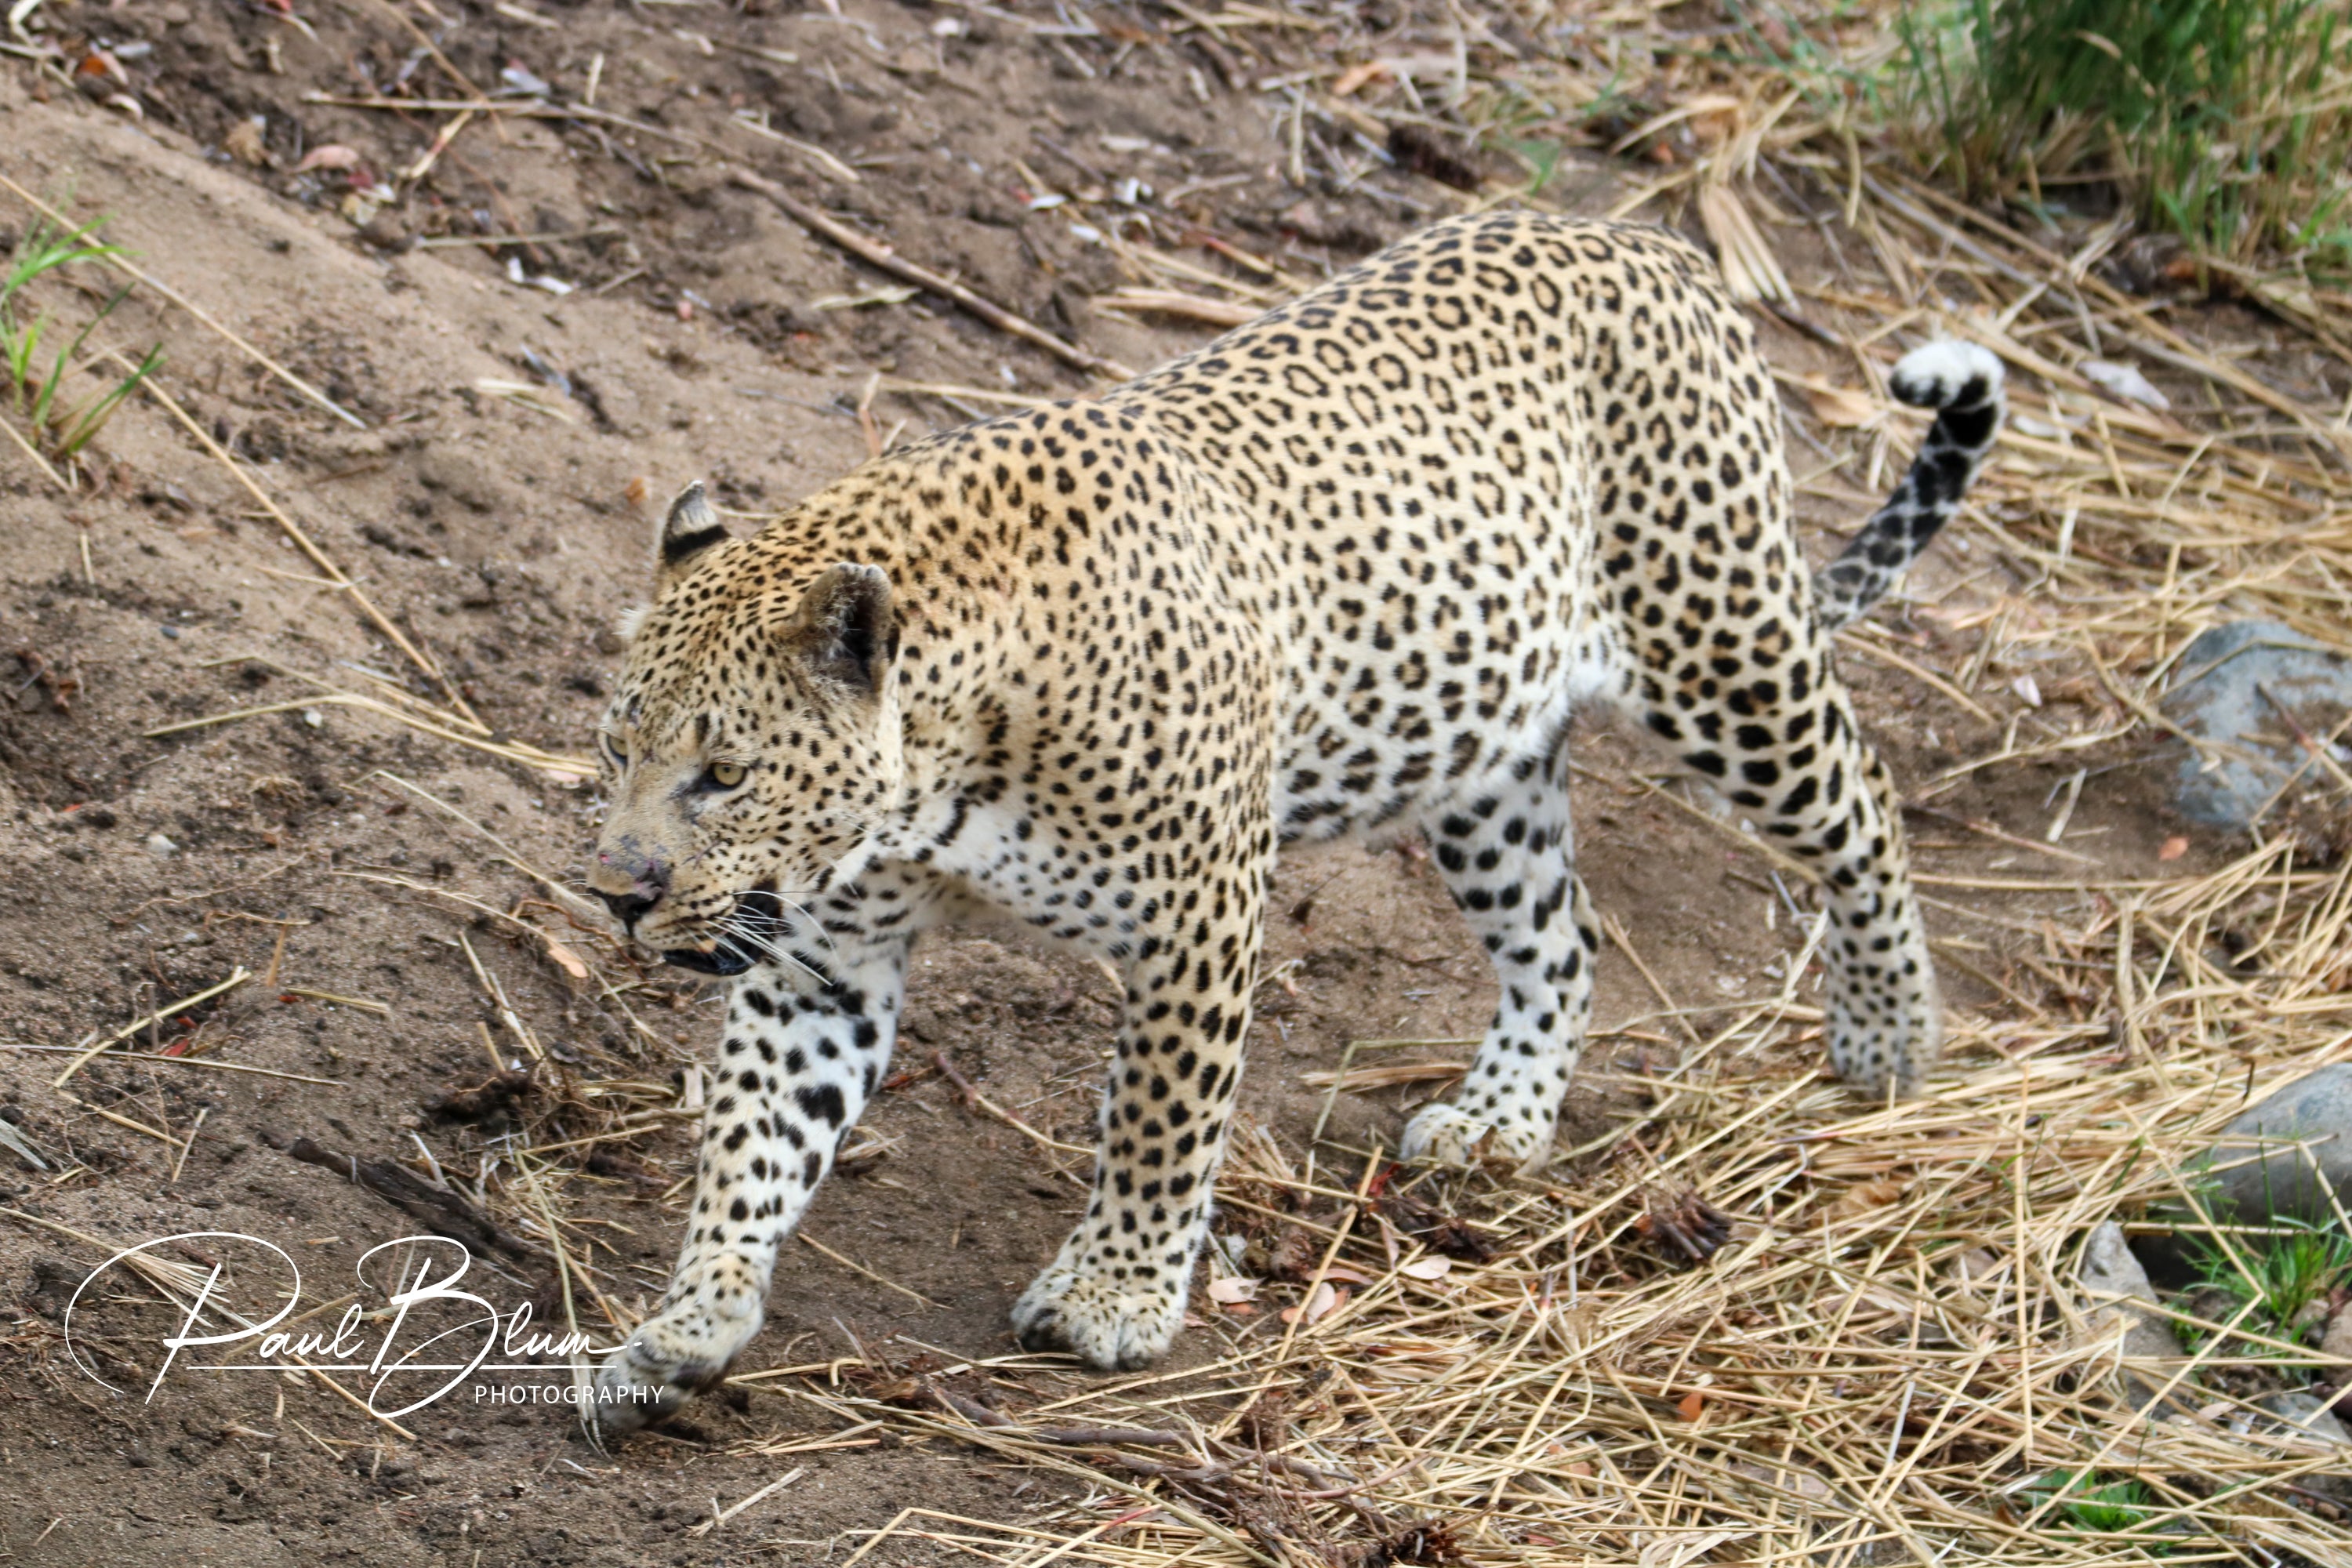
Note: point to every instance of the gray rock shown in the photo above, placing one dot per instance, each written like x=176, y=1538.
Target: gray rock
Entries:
x=2308, y=1415
x=2230, y=686
x=2109, y=1268
x=2267, y=1174
x=2119, y=1291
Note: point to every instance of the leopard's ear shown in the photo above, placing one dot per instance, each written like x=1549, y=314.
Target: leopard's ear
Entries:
x=847, y=627
x=691, y=528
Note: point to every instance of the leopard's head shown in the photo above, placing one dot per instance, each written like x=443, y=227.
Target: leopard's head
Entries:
x=752, y=747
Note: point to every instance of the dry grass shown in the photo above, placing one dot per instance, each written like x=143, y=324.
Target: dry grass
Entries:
x=1890, y=1344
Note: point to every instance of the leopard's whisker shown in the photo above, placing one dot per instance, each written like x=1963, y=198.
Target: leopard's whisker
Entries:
x=815, y=924
x=731, y=926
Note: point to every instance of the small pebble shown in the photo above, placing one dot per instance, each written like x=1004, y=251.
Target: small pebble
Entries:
x=170, y=631
x=161, y=848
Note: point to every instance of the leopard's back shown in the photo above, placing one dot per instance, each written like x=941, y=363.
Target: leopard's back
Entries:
x=1475, y=479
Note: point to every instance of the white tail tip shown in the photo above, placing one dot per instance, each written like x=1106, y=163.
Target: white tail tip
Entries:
x=1945, y=373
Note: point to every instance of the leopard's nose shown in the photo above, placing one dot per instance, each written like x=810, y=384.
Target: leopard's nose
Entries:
x=646, y=878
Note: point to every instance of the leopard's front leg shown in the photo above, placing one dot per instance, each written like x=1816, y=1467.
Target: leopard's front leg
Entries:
x=1115, y=1295
x=800, y=1060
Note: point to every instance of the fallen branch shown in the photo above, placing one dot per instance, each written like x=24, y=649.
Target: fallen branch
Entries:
x=443, y=1214
x=877, y=255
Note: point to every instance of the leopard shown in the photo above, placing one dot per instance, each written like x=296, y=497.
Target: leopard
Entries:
x=1351, y=568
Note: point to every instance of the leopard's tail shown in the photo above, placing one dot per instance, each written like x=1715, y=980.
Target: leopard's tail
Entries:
x=1962, y=382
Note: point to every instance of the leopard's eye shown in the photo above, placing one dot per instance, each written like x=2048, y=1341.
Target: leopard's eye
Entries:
x=614, y=747
x=726, y=776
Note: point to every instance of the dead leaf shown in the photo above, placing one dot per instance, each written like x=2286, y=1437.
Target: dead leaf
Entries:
x=2174, y=847
x=1841, y=407
x=2123, y=382
x=1691, y=1404
x=566, y=960
x=1973, y=1266
x=638, y=489
x=1427, y=1268
x=1228, y=1292
x=1357, y=75
x=333, y=156
x=244, y=143
x=1346, y=1274
x=1320, y=1303
x=1804, y=1483
x=1867, y=1198
x=1873, y=1298
x=1712, y=116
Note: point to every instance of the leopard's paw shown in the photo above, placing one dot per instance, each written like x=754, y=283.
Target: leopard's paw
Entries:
x=1117, y=1325
x=1888, y=1050
x=671, y=1358
x=1446, y=1134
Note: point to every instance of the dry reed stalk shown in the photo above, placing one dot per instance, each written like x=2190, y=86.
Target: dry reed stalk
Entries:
x=303, y=541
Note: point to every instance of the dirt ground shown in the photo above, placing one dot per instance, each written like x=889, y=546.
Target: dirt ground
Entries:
x=486, y=507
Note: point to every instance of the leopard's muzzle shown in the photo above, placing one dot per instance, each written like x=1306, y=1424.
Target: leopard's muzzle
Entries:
x=746, y=934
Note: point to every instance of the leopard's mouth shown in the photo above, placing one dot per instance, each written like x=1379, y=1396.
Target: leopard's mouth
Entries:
x=740, y=938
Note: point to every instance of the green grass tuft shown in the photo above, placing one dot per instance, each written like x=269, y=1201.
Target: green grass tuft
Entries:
x=2079, y=1499
x=2279, y=1275
x=35, y=381
x=2227, y=122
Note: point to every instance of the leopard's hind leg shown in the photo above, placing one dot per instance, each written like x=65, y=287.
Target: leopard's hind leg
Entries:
x=1787, y=752
x=1507, y=855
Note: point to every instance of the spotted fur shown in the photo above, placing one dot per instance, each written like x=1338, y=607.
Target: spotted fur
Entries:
x=1963, y=384
x=1353, y=563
